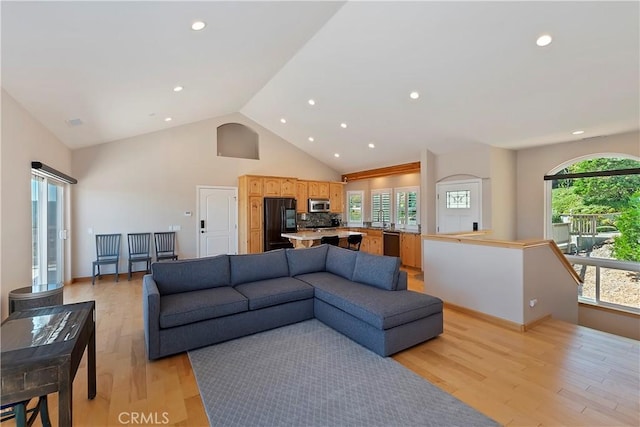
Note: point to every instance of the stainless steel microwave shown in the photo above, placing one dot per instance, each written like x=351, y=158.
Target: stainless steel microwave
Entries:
x=319, y=205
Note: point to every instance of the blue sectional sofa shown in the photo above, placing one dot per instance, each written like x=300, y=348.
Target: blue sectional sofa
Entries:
x=194, y=303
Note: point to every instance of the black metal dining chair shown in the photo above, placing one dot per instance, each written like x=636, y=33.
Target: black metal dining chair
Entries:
x=331, y=240
x=354, y=241
x=139, y=250
x=107, y=252
x=165, y=245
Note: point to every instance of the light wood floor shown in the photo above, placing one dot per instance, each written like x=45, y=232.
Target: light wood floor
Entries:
x=555, y=374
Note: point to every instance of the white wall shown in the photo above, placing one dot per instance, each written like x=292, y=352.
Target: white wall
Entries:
x=611, y=321
x=497, y=169
x=554, y=290
x=428, y=205
x=500, y=281
x=487, y=279
x=503, y=194
x=23, y=140
x=534, y=163
x=474, y=162
x=146, y=183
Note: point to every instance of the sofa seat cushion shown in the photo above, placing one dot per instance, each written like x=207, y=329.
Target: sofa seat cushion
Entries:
x=380, y=308
x=266, y=293
x=189, y=307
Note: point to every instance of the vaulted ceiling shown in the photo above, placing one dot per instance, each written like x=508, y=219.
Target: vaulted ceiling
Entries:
x=480, y=76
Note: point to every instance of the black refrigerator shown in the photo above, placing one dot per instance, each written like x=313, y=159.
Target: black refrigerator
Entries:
x=279, y=217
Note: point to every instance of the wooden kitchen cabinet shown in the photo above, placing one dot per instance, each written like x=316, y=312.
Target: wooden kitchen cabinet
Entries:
x=254, y=185
x=336, y=197
x=318, y=189
x=375, y=245
x=288, y=187
x=255, y=213
x=302, y=195
x=255, y=242
x=411, y=250
x=372, y=242
x=250, y=194
x=272, y=187
x=255, y=225
x=252, y=189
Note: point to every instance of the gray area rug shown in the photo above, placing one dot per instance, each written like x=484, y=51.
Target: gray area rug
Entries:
x=307, y=374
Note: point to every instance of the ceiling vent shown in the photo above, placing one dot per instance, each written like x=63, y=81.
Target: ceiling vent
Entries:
x=73, y=122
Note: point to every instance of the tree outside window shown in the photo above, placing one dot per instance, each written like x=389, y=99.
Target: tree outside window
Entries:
x=407, y=202
x=598, y=206
x=355, y=201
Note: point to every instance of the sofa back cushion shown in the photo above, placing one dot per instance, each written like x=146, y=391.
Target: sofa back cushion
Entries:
x=254, y=267
x=307, y=260
x=377, y=270
x=191, y=274
x=341, y=261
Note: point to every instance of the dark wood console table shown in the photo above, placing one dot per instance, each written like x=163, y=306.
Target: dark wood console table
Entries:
x=41, y=351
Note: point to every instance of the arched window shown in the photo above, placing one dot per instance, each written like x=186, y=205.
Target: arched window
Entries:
x=594, y=217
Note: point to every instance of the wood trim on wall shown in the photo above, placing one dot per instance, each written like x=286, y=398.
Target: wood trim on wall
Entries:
x=497, y=320
x=380, y=172
x=565, y=262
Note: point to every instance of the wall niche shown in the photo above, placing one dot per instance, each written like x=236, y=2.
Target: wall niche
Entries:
x=237, y=140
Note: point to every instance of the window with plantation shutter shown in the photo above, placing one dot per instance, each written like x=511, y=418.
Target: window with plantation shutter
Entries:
x=355, y=202
x=407, y=207
x=380, y=207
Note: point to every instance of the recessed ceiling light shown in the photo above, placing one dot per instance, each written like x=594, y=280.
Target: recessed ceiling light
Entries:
x=168, y=119
x=414, y=95
x=311, y=139
x=177, y=88
x=198, y=25
x=343, y=125
x=283, y=120
x=336, y=155
x=312, y=102
x=372, y=145
x=544, y=40
x=577, y=132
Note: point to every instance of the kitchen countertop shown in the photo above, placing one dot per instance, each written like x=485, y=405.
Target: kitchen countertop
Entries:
x=306, y=238
x=393, y=230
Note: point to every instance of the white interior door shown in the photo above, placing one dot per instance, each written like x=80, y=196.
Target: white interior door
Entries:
x=459, y=206
x=217, y=221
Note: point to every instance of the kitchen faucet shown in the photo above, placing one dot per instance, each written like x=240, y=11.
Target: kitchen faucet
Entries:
x=381, y=216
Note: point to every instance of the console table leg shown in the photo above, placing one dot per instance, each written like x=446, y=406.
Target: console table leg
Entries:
x=91, y=365
x=65, y=397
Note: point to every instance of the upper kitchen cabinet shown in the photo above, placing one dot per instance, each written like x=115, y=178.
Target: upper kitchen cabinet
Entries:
x=318, y=190
x=254, y=185
x=336, y=197
x=272, y=187
x=302, y=194
x=288, y=187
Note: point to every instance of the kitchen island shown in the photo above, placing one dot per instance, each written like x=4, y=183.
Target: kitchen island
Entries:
x=306, y=239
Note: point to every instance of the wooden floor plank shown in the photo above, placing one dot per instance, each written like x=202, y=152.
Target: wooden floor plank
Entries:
x=554, y=374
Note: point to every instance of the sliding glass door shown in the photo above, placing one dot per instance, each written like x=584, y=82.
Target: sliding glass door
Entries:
x=48, y=233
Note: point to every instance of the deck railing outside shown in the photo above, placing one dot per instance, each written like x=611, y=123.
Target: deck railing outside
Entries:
x=608, y=282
